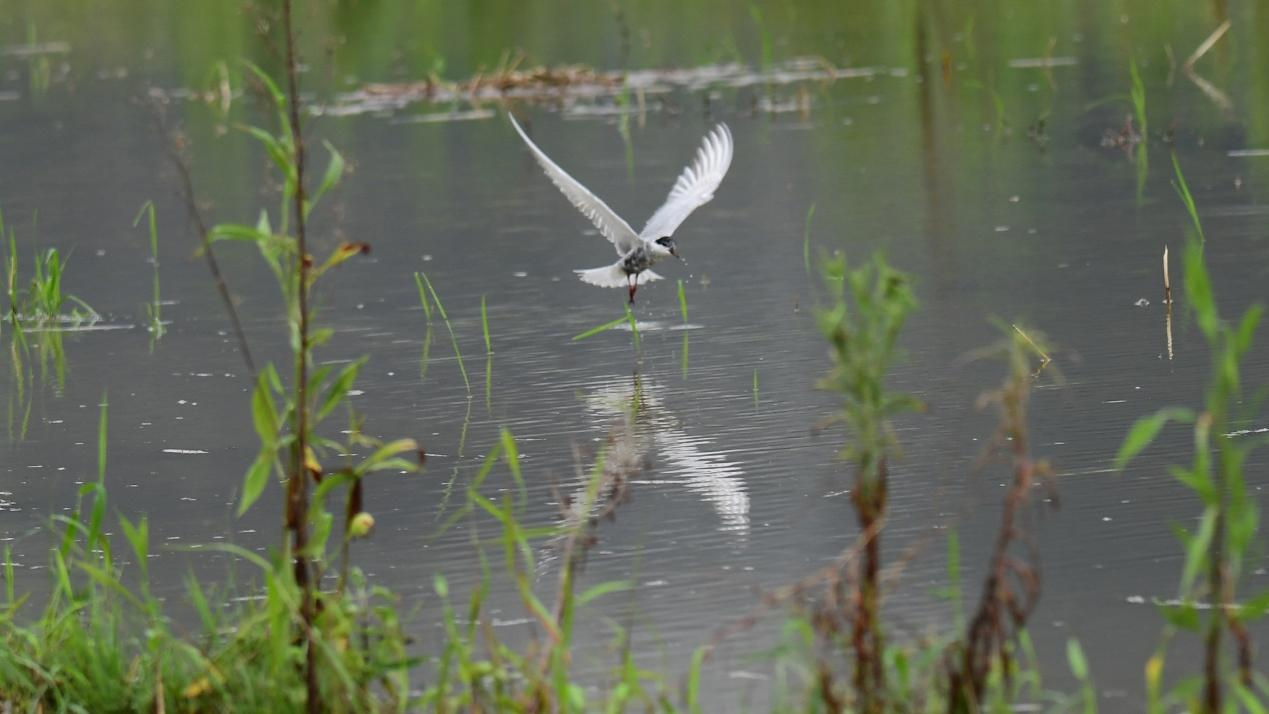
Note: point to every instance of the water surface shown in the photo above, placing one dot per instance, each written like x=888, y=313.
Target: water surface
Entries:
x=972, y=165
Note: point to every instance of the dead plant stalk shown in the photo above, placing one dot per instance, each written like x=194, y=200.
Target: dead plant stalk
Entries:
x=1012, y=588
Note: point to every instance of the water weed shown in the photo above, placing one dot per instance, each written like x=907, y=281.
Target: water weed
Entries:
x=154, y=308
x=1216, y=552
x=421, y=279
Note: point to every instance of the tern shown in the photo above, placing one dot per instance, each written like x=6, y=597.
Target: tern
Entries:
x=639, y=251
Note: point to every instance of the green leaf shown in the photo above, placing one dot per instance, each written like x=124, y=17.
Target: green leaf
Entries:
x=236, y=231
x=1196, y=548
x=1184, y=616
x=380, y=457
x=1145, y=430
x=1253, y=609
x=1249, y=700
x=338, y=389
x=275, y=93
x=257, y=478
x=320, y=336
x=1075, y=658
x=102, y=441
x=512, y=456
x=322, y=522
x=601, y=328
x=264, y=414
x=1198, y=291
x=334, y=170
x=138, y=536
x=597, y=591
x=278, y=153
x=1247, y=328
x=694, y=680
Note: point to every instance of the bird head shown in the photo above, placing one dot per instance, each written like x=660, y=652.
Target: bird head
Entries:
x=666, y=245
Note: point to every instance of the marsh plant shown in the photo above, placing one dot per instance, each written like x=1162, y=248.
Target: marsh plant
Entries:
x=862, y=323
x=154, y=308
x=41, y=302
x=315, y=625
x=1217, y=551
x=982, y=662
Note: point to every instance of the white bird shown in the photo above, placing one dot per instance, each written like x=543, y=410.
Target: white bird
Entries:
x=639, y=251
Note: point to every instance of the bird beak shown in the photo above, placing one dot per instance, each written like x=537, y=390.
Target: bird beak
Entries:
x=675, y=252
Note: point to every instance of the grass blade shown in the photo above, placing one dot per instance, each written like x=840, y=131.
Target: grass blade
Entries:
x=453, y=339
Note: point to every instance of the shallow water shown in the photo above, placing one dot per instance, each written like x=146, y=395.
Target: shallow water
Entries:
x=733, y=491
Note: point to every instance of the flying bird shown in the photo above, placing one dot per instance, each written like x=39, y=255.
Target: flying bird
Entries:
x=640, y=251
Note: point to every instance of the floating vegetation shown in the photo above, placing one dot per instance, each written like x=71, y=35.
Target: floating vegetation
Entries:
x=579, y=84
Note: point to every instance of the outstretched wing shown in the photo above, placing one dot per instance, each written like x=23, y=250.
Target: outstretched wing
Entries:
x=609, y=223
x=695, y=186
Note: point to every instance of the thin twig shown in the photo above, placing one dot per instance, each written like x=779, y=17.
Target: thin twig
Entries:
x=185, y=175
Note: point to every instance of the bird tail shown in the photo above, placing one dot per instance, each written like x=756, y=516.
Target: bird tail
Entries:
x=612, y=276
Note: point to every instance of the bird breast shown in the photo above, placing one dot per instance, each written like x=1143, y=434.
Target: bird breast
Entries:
x=637, y=260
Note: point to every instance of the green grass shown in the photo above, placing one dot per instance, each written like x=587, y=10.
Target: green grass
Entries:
x=422, y=280
x=42, y=304
x=627, y=318
x=1183, y=190
x=154, y=309
x=484, y=326
x=1137, y=94
x=806, y=238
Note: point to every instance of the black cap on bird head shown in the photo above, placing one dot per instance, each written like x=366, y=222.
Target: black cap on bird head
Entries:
x=668, y=243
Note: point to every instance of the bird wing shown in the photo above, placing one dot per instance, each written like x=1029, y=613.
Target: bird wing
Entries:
x=608, y=222
x=695, y=186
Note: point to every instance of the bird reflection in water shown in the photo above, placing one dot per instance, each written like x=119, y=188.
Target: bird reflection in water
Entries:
x=648, y=445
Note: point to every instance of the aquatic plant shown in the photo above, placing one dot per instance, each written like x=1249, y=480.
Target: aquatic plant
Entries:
x=1011, y=588
x=806, y=238
x=1138, y=96
x=290, y=445
x=154, y=308
x=1183, y=190
x=422, y=282
x=869, y=307
x=627, y=319
x=42, y=303
x=1207, y=602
